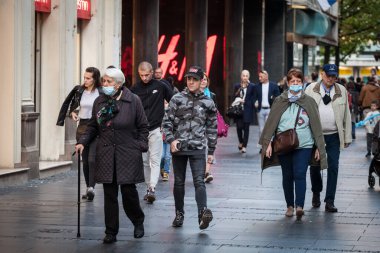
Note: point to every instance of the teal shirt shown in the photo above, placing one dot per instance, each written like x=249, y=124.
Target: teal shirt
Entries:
x=287, y=121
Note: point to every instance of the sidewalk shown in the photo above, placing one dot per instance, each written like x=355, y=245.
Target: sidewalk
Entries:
x=248, y=216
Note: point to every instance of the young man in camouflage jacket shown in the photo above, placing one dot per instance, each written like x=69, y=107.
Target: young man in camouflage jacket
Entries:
x=191, y=119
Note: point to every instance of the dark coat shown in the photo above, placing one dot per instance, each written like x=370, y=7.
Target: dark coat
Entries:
x=120, y=145
x=273, y=92
x=248, y=102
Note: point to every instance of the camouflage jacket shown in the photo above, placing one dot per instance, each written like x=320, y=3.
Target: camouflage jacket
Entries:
x=190, y=119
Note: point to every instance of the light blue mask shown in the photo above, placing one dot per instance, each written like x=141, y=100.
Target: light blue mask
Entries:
x=109, y=90
x=295, y=88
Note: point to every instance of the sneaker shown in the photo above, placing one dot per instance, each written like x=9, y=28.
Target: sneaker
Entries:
x=368, y=154
x=162, y=172
x=151, y=196
x=165, y=176
x=208, y=177
x=178, y=220
x=244, y=150
x=205, y=218
x=289, y=212
x=330, y=207
x=90, y=193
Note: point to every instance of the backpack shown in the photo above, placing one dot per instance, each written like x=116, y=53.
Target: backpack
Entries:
x=222, y=126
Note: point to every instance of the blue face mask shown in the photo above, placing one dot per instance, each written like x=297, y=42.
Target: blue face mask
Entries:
x=295, y=88
x=109, y=90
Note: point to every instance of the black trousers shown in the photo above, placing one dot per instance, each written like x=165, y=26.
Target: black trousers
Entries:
x=242, y=129
x=131, y=205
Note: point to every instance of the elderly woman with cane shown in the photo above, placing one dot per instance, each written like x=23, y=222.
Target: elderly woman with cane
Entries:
x=119, y=122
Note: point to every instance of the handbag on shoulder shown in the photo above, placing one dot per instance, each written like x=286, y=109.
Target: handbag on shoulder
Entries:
x=286, y=141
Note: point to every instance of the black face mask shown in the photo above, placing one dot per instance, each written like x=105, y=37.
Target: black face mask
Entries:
x=326, y=99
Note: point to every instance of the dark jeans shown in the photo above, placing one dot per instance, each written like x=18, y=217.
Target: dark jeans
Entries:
x=294, y=167
x=131, y=205
x=369, y=142
x=333, y=153
x=88, y=156
x=197, y=165
x=242, y=129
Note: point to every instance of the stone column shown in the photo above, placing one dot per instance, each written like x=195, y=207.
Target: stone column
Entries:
x=196, y=33
x=145, y=34
x=233, y=30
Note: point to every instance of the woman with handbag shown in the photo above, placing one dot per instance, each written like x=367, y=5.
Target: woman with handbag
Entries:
x=83, y=97
x=292, y=137
x=244, y=93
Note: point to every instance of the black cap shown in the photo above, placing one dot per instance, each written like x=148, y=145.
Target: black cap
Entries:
x=196, y=72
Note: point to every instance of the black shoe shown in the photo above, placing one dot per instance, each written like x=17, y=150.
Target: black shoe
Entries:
x=109, y=239
x=178, y=220
x=205, y=218
x=368, y=154
x=139, y=231
x=316, y=201
x=151, y=197
x=330, y=207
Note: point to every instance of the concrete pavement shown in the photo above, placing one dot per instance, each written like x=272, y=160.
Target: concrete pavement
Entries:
x=41, y=216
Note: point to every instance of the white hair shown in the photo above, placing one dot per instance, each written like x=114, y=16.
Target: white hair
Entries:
x=116, y=74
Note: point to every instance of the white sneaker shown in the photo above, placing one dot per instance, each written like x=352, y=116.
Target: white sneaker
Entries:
x=244, y=150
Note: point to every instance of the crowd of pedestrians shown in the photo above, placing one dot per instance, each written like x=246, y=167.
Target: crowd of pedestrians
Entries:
x=133, y=135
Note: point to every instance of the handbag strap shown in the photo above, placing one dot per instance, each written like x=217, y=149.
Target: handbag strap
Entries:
x=298, y=115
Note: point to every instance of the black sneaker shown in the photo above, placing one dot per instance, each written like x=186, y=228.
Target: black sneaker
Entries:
x=330, y=207
x=205, y=218
x=151, y=196
x=178, y=220
x=208, y=178
x=368, y=154
x=109, y=239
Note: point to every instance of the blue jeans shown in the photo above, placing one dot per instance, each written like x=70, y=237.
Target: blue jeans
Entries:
x=166, y=157
x=197, y=165
x=333, y=153
x=294, y=167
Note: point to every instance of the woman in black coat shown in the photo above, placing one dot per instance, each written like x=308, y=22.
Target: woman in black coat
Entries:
x=246, y=92
x=83, y=97
x=119, y=121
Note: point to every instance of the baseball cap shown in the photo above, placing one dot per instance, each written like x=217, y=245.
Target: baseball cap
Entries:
x=196, y=72
x=330, y=69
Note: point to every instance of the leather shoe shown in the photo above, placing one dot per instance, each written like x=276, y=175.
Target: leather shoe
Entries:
x=139, y=231
x=330, y=207
x=316, y=201
x=109, y=239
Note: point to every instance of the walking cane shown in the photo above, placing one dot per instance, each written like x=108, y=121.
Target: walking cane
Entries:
x=78, y=201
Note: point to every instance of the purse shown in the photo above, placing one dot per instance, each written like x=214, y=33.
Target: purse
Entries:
x=222, y=126
x=286, y=141
x=235, y=111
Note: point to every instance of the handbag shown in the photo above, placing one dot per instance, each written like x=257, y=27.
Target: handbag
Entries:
x=286, y=141
x=222, y=126
x=235, y=111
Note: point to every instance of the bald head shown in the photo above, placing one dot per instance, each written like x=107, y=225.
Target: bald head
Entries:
x=145, y=70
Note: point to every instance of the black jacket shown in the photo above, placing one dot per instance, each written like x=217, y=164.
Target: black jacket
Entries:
x=73, y=101
x=152, y=96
